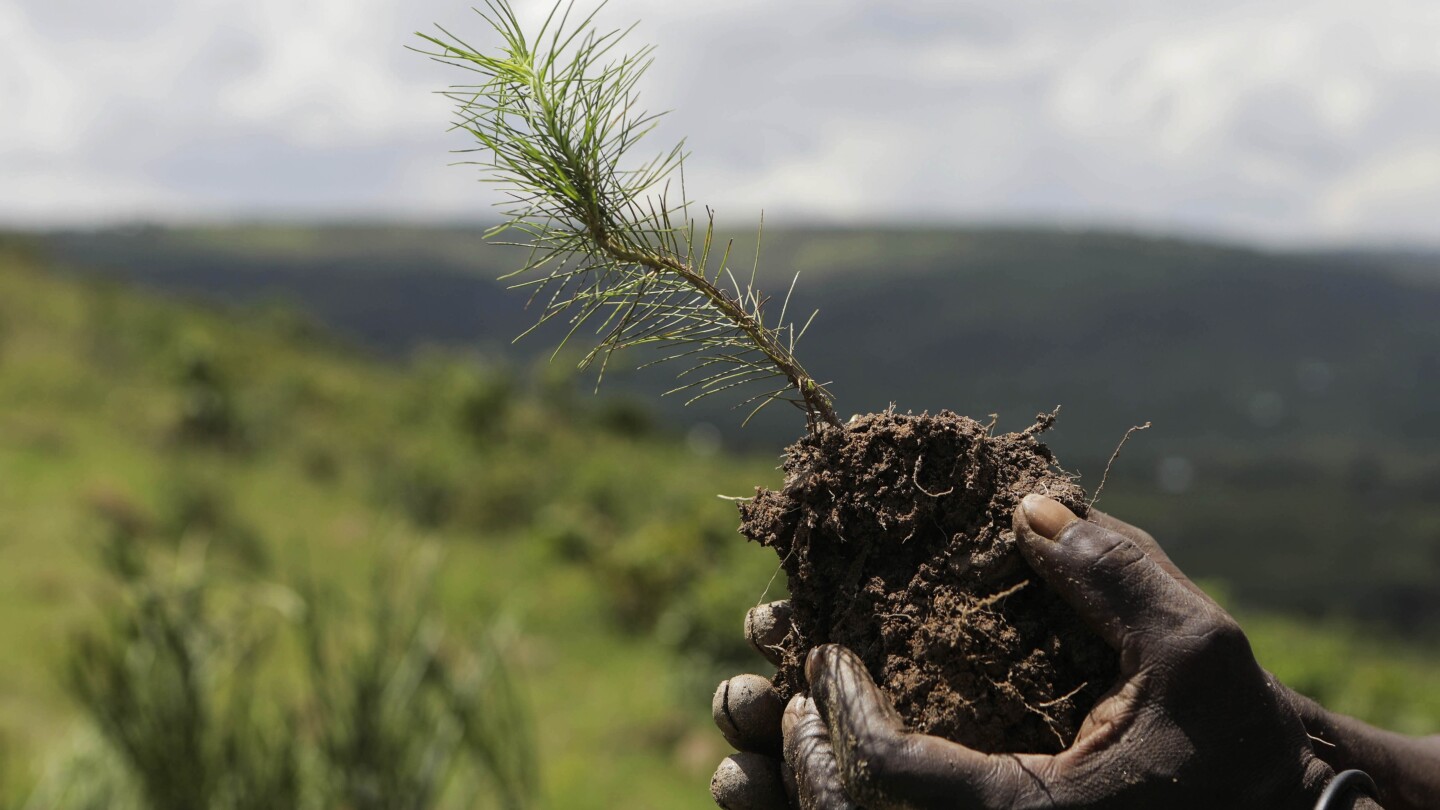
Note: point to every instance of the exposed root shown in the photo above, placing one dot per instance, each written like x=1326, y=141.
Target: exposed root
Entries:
x=915, y=478
x=1072, y=693
x=1106, y=475
x=1043, y=422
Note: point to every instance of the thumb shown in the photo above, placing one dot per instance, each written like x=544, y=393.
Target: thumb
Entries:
x=882, y=764
x=1118, y=589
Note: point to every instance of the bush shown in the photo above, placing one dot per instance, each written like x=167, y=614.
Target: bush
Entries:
x=174, y=693
x=191, y=708
x=400, y=705
x=209, y=414
x=483, y=402
x=421, y=490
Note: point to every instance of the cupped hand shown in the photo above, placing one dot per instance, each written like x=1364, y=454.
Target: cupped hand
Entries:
x=748, y=712
x=1193, y=721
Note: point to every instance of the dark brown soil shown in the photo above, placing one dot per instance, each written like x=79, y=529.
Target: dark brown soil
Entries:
x=895, y=533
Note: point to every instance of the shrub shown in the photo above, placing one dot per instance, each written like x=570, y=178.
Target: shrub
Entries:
x=209, y=414
x=192, y=710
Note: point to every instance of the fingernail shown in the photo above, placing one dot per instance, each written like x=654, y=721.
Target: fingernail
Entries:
x=812, y=663
x=1047, y=517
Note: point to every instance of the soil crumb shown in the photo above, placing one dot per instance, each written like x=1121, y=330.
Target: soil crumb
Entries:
x=895, y=536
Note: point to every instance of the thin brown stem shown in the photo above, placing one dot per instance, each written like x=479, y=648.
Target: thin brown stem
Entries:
x=815, y=399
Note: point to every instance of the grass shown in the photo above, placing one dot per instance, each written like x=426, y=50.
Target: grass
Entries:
x=599, y=542
x=542, y=502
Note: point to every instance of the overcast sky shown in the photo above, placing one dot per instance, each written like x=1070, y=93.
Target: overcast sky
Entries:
x=1279, y=120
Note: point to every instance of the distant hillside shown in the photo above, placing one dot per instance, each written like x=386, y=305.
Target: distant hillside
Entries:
x=1239, y=346
x=596, y=537
x=596, y=541
x=1295, y=450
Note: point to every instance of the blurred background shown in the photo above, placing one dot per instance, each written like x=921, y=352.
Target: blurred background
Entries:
x=287, y=519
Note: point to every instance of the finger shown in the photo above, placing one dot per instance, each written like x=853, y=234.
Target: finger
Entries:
x=882, y=764
x=747, y=710
x=748, y=781
x=1147, y=544
x=809, y=755
x=766, y=627
x=1127, y=597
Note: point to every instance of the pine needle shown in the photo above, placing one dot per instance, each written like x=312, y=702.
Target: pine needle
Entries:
x=556, y=120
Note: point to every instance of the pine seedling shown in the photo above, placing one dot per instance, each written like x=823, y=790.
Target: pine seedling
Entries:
x=556, y=122
x=894, y=530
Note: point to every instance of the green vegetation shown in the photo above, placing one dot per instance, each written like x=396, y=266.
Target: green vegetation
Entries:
x=592, y=538
x=556, y=120
x=1294, y=453
x=185, y=690
x=598, y=541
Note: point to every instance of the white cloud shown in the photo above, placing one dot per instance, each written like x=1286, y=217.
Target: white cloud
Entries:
x=1393, y=196
x=37, y=99
x=1292, y=119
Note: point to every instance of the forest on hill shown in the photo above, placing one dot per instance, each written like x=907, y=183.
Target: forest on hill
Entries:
x=583, y=534
x=1294, y=453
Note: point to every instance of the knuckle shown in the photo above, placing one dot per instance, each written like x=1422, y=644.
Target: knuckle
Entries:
x=1225, y=636
x=1215, y=636
x=1109, y=550
x=1144, y=538
x=1001, y=786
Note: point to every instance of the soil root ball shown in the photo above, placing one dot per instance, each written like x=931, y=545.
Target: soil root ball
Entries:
x=895, y=535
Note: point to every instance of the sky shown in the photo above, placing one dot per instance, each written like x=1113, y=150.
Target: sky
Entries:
x=1279, y=121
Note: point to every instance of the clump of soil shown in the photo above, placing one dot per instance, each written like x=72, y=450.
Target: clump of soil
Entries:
x=895, y=534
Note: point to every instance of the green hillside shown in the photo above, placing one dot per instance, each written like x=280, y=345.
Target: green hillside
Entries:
x=1294, y=453
x=593, y=534
x=602, y=542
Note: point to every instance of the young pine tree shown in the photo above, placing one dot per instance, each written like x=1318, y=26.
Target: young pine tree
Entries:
x=893, y=529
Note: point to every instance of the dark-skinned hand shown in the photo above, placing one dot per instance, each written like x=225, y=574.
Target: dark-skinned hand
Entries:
x=1192, y=722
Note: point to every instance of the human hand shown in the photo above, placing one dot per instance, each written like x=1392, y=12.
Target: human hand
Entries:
x=1192, y=722
x=748, y=712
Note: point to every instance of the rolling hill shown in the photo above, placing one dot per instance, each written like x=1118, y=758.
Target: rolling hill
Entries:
x=592, y=533
x=1295, y=449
